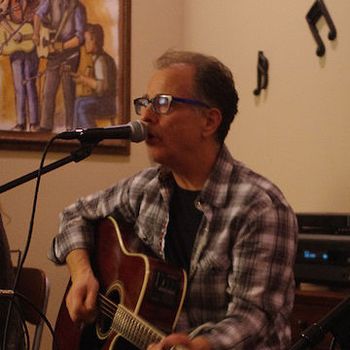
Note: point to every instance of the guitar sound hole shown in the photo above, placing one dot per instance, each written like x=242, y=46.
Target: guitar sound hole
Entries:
x=108, y=310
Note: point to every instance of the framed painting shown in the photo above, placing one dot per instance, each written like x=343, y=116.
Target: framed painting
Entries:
x=64, y=64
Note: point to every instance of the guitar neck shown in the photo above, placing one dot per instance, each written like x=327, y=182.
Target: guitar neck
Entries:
x=128, y=325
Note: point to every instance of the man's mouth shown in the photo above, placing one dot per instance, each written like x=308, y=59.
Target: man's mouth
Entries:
x=151, y=137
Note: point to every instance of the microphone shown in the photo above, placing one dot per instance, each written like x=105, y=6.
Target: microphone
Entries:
x=134, y=131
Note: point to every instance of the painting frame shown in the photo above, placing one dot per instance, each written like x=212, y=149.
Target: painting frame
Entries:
x=36, y=141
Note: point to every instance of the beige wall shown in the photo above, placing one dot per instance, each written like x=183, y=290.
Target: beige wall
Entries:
x=296, y=132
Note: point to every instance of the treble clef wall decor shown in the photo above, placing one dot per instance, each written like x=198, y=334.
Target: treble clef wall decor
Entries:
x=318, y=10
x=263, y=67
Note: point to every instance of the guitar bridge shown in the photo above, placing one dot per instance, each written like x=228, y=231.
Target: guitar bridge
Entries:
x=165, y=289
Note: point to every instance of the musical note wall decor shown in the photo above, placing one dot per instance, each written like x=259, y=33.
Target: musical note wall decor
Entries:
x=263, y=67
x=318, y=10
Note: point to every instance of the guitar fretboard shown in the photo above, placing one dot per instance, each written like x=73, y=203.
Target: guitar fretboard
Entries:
x=135, y=330
x=131, y=327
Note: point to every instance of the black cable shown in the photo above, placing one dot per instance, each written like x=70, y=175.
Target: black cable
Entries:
x=25, y=330
x=29, y=238
x=9, y=310
x=18, y=312
x=12, y=293
x=78, y=155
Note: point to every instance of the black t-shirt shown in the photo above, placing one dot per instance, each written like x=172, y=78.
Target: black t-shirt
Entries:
x=184, y=220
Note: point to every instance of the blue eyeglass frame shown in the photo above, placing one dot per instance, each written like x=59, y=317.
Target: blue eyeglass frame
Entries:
x=172, y=99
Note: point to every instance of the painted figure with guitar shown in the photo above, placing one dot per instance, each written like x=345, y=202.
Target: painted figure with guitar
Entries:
x=16, y=41
x=60, y=39
x=99, y=83
x=198, y=209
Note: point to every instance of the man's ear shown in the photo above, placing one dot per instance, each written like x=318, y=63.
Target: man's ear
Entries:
x=213, y=119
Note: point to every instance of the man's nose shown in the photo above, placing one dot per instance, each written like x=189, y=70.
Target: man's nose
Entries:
x=148, y=114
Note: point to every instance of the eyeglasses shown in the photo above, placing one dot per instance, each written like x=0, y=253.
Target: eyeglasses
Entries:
x=162, y=103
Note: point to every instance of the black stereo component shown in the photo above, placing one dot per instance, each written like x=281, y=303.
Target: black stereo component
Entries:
x=323, y=255
x=334, y=224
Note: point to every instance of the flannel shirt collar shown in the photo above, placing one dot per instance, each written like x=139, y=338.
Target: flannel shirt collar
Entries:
x=216, y=188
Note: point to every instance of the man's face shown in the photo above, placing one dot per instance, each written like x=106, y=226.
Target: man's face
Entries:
x=174, y=138
x=90, y=43
x=3, y=6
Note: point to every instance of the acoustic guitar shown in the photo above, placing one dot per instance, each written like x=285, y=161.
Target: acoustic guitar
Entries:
x=140, y=296
x=46, y=39
x=8, y=45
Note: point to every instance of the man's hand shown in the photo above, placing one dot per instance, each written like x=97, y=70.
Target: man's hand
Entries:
x=17, y=37
x=181, y=341
x=81, y=298
x=78, y=78
x=56, y=46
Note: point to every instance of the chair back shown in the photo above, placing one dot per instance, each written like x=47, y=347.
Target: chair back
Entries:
x=34, y=285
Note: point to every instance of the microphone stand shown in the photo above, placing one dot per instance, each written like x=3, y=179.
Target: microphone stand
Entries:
x=337, y=321
x=79, y=154
x=76, y=156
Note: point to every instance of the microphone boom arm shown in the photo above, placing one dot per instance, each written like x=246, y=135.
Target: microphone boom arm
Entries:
x=336, y=321
x=76, y=156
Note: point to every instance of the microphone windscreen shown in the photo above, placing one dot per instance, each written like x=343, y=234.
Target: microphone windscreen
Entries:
x=138, y=131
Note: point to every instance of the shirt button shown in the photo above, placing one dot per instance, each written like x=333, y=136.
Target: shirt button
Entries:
x=198, y=205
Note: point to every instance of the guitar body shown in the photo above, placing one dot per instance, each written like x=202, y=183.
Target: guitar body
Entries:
x=9, y=46
x=145, y=288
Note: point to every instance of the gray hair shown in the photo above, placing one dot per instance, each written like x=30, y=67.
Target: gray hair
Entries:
x=213, y=83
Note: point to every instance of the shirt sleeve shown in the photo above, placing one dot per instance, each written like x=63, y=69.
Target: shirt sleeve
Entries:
x=43, y=8
x=80, y=22
x=101, y=71
x=261, y=286
x=77, y=220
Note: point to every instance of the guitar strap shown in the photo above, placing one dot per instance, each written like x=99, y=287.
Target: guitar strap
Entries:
x=67, y=13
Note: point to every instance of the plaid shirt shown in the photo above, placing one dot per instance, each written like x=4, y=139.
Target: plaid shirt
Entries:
x=241, y=283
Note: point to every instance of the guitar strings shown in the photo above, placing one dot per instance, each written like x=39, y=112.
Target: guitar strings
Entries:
x=108, y=308
x=142, y=336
